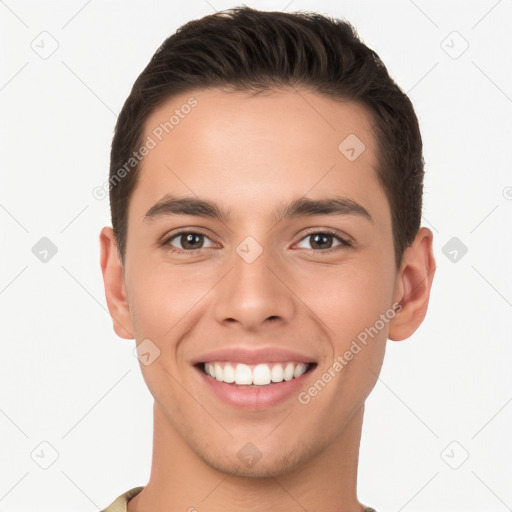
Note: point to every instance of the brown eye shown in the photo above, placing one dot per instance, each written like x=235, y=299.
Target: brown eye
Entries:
x=187, y=241
x=323, y=241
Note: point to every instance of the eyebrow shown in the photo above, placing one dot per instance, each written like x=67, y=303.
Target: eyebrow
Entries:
x=171, y=205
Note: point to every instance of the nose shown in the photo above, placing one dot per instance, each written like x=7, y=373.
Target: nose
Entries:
x=254, y=295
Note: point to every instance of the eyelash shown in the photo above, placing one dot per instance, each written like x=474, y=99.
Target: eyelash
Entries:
x=344, y=243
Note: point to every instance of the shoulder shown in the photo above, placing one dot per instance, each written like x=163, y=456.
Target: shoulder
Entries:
x=121, y=502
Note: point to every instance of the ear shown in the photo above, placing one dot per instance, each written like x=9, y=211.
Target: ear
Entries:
x=412, y=290
x=115, y=287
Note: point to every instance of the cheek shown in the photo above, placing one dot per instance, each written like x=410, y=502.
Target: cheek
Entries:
x=348, y=300
x=163, y=302
x=161, y=298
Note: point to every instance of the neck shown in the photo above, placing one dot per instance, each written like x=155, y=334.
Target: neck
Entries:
x=181, y=480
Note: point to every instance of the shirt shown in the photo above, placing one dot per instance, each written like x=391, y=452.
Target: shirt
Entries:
x=120, y=503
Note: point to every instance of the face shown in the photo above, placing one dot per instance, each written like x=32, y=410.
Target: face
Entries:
x=246, y=280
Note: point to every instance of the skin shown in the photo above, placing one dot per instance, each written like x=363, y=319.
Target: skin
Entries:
x=252, y=155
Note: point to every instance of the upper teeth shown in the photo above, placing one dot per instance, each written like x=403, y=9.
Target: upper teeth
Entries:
x=259, y=375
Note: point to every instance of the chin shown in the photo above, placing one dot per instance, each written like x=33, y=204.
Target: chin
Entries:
x=262, y=465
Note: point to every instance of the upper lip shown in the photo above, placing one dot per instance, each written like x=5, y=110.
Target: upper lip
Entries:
x=252, y=356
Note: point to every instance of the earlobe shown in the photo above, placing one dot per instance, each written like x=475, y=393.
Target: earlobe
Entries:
x=413, y=286
x=115, y=287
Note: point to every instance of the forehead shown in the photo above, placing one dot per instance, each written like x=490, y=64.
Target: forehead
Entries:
x=239, y=147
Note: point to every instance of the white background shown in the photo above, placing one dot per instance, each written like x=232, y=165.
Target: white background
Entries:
x=65, y=377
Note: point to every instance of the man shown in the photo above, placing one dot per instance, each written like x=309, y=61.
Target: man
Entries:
x=266, y=191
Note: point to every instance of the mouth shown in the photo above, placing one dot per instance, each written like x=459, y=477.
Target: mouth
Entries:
x=255, y=375
x=254, y=387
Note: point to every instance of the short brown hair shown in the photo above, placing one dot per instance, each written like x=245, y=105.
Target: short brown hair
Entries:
x=245, y=49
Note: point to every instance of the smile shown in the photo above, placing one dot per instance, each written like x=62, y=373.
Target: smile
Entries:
x=255, y=387
x=263, y=374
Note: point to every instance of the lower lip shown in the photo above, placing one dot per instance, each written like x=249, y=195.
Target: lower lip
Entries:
x=257, y=398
